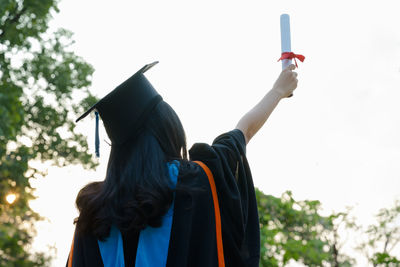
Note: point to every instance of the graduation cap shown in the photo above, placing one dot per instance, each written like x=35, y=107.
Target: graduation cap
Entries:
x=126, y=108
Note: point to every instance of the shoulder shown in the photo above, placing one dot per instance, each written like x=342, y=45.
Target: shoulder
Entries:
x=87, y=193
x=230, y=141
x=190, y=169
x=192, y=178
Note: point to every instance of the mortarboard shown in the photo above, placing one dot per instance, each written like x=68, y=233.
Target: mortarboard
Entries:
x=125, y=109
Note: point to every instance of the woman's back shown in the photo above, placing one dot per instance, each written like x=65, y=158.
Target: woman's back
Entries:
x=192, y=236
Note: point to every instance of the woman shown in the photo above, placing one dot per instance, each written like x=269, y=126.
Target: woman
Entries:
x=155, y=206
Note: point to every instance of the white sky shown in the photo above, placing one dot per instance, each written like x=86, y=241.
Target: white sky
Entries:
x=337, y=140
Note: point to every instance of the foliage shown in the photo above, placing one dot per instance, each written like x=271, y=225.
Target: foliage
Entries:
x=291, y=230
x=341, y=222
x=383, y=237
x=39, y=80
x=295, y=231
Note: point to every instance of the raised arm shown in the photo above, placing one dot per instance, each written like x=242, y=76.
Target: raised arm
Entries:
x=253, y=120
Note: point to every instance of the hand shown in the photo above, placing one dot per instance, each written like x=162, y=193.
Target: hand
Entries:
x=286, y=82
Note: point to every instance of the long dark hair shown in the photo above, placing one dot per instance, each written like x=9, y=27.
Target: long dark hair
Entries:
x=137, y=190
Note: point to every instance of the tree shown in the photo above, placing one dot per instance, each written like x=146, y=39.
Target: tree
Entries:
x=295, y=231
x=291, y=230
x=40, y=79
x=383, y=237
x=337, y=235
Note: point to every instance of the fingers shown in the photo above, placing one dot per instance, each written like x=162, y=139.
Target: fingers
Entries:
x=290, y=67
x=287, y=80
x=289, y=75
x=293, y=75
x=294, y=82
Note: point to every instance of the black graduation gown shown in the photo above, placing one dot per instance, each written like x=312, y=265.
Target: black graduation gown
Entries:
x=193, y=239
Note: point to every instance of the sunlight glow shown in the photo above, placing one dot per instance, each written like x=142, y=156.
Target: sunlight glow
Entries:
x=11, y=198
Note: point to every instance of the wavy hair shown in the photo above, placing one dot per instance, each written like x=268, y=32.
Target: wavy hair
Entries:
x=137, y=190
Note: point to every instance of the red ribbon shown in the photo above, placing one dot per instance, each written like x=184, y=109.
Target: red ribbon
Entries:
x=291, y=55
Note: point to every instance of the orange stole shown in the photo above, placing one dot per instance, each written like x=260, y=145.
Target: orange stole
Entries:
x=220, y=248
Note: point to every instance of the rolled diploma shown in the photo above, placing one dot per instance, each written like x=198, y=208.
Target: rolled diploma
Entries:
x=285, y=39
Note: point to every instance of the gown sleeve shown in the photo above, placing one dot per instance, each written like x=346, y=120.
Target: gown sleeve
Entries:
x=226, y=158
x=85, y=252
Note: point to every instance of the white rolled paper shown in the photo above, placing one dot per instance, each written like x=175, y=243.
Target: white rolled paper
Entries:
x=285, y=39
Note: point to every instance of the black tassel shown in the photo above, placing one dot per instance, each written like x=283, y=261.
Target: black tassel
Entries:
x=97, y=139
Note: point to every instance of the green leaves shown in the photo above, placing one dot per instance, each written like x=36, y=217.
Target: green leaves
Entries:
x=293, y=230
x=22, y=19
x=385, y=259
x=383, y=237
x=41, y=85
